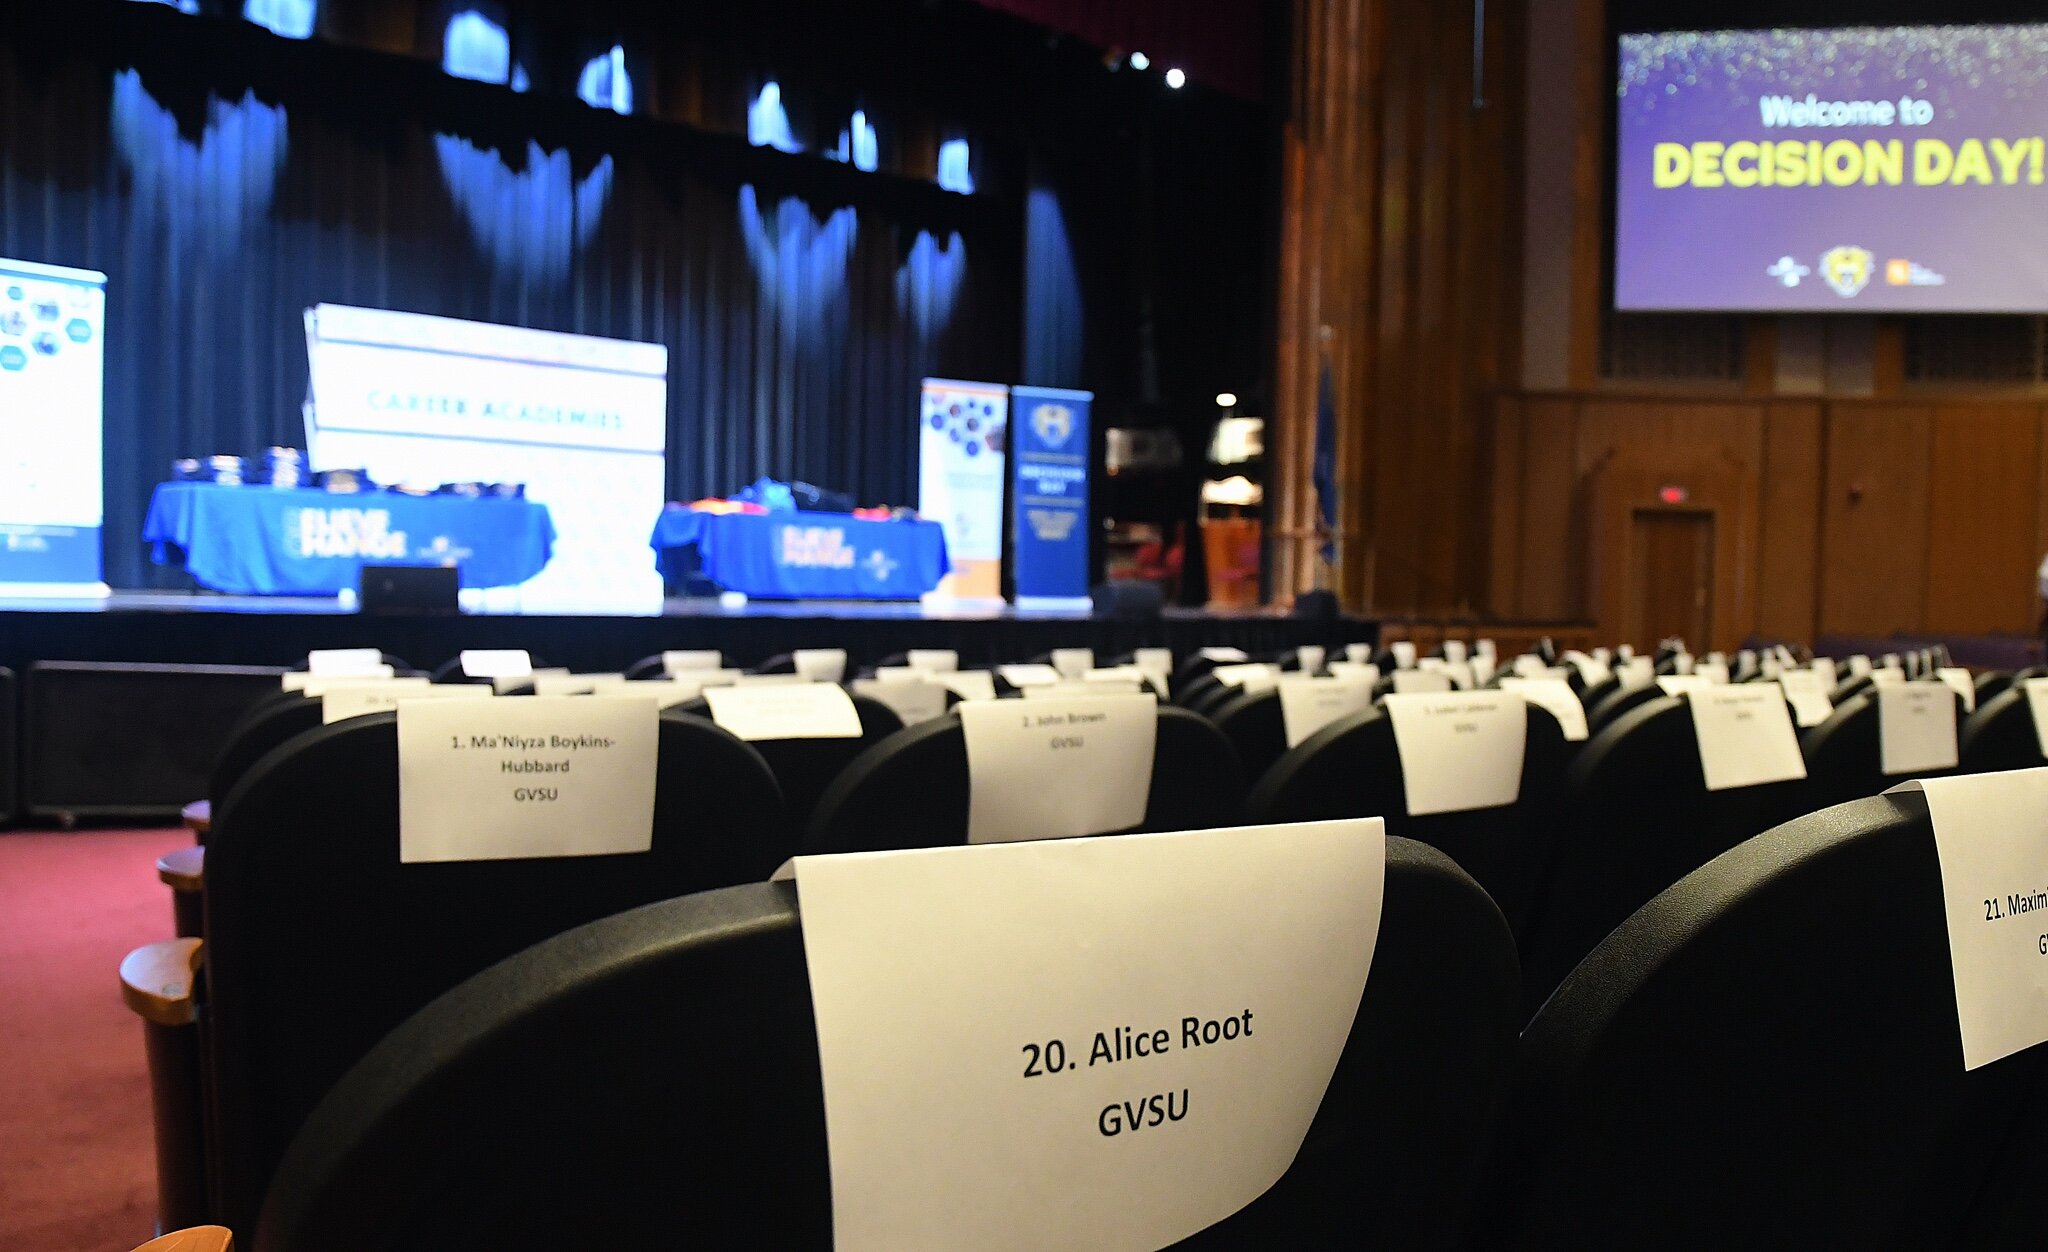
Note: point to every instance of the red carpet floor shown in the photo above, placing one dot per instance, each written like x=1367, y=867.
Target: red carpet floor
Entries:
x=77, y=1172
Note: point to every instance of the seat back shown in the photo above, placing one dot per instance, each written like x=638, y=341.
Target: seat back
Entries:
x=1767, y=1055
x=1257, y=731
x=666, y=1069
x=803, y=768
x=1352, y=768
x=1637, y=818
x=319, y=941
x=270, y=722
x=2000, y=735
x=1603, y=711
x=1990, y=684
x=1843, y=757
x=912, y=790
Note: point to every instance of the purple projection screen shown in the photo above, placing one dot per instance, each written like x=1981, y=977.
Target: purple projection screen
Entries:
x=1859, y=170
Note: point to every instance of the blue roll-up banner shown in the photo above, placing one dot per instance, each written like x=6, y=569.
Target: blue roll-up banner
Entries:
x=1049, y=542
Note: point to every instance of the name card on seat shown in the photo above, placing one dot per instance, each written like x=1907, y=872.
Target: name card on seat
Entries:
x=346, y=700
x=318, y=685
x=698, y=659
x=502, y=683
x=912, y=699
x=341, y=662
x=1858, y=666
x=933, y=660
x=1358, y=653
x=1637, y=671
x=1679, y=684
x=1034, y=674
x=1309, y=658
x=1713, y=670
x=1097, y=1043
x=572, y=684
x=496, y=663
x=820, y=665
x=1410, y=682
x=1153, y=660
x=1084, y=688
x=1224, y=656
x=1309, y=704
x=665, y=692
x=1404, y=654
x=1058, y=767
x=1249, y=677
x=1827, y=669
x=1887, y=676
x=1958, y=680
x=1487, y=649
x=1555, y=697
x=798, y=710
x=1916, y=728
x=1455, y=651
x=1482, y=670
x=1460, y=751
x=1988, y=836
x=1745, y=736
x=969, y=684
x=1529, y=665
x=1808, y=694
x=493, y=780
x=1073, y=662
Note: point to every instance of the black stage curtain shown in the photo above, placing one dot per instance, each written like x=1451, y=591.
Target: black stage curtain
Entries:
x=223, y=195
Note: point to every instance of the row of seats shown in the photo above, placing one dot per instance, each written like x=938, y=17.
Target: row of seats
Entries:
x=304, y=890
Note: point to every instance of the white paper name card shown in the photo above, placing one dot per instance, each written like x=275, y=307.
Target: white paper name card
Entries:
x=318, y=685
x=1887, y=677
x=1223, y=655
x=1056, y=768
x=1745, y=736
x=1529, y=665
x=1107, y=1044
x=1461, y=675
x=2037, y=703
x=1033, y=675
x=1309, y=658
x=969, y=684
x=665, y=692
x=1487, y=649
x=496, y=663
x=1829, y=673
x=1249, y=677
x=1309, y=704
x=1638, y=671
x=493, y=780
x=1358, y=653
x=1554, y=697
x=1354, y=669
x=1991, y=836
x=1455, y=651
x=310, y=681
x=1482, y=670
x=798, y=710
x=340, y=662
x=820, y=665
x=1809, y=696
x=768, y=680
x=1063, y=689
x=1410, y=682
x=502, y=683
x=1745, y=665
x=933, y=660
x=343, y=701
x=682, y=662
x=1073, y=662
x=1679, y=684
x=1158, y=661
x=1715, y=672
x=914, y=700
x=1958, y=680
x=695, y=681
x=568, y=684
x=1916, y=728
x=1859, y=666
x=1460, y=751
x=1404, y=654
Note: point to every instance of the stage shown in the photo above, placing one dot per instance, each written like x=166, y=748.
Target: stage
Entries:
x=118, y=707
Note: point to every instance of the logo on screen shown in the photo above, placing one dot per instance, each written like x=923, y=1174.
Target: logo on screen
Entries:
x=880, y=565
x=361, y=533
x=1846, y=270
x=1788, y=272
x=1052, y=423
x=816, y=547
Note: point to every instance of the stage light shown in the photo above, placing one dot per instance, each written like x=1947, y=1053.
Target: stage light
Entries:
x=857, y=144
x=1175, y=79
x=1226, y=399
x=605, y=84
x=1140, y=61
x=768, y=121
x=292, y=19
x=476, y=48
x=955, y=169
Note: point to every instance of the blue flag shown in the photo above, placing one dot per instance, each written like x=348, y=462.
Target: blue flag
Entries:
x=1324, y=471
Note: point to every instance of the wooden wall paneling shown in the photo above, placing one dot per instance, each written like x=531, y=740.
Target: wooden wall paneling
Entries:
x=1550, y=531
x=1504, y=505
x=1874, y=518
x=1788, y=532
x=1593, y=96
x=1982, y=504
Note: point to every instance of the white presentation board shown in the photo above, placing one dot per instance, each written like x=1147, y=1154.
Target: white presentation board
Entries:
x=965, y=428
x=581, y=421
x=52, y=406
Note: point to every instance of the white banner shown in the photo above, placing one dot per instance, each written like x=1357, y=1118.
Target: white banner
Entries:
x=52, y=386
x=960, y=479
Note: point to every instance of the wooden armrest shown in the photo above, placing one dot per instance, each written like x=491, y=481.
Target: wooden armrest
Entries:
x=198, y=817
x=156, y=980
x=183, y=869
x=193, y=1239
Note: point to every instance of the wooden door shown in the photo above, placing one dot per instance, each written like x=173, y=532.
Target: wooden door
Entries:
x=1672, y=584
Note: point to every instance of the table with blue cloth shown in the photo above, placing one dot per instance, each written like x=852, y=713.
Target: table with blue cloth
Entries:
x=804, y=556
x=297, y=541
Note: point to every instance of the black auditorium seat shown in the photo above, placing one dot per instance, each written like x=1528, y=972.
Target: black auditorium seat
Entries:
x=319, y=941
x=780, y=663
x=1848, y=687
x=1637, y=818
x=2000, y=735
x=652, y=1080
x=1199, y=691
x=1252, y=722
x=1766, y=1055
x=398, y=664
x=803, y=768
x=1843, y=760
x=1597, y=691
x=1990, y=683
x=1607, y=708
x=911, y=789
x=1352, y=768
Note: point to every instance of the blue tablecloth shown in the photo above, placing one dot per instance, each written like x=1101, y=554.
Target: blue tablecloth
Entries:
x=296, y=541
x=807, y=556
